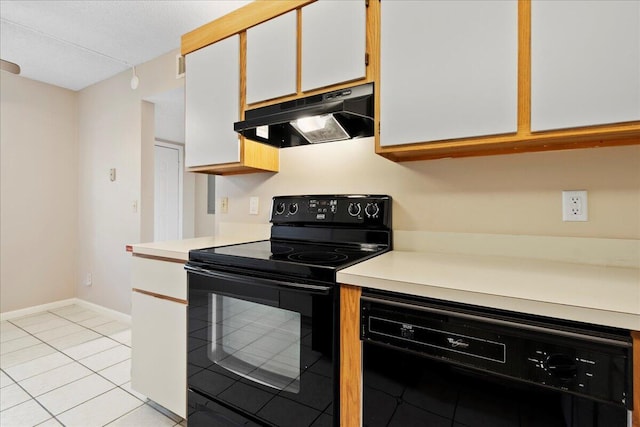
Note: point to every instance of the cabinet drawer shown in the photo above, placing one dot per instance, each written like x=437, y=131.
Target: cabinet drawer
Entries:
x=159, y=277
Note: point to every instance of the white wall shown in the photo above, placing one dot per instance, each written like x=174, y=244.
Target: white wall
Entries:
x=38, y=192
x=205, y=223
x=508, y=194
x=111, y=135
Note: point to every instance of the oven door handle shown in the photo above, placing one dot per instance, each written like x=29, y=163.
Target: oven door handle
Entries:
x=251, y=280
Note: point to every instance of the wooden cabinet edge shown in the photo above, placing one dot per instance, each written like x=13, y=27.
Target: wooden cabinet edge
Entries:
x=635, y=335
x=260, y=156
x=255, y=157
x=592, y=137
x=350, y=357
x=160, y=296
x=237, y=21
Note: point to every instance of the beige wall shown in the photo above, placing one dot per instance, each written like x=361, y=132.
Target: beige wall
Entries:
x=204, y=222
x=509, y=194
x=112, y=135
x=38, y=196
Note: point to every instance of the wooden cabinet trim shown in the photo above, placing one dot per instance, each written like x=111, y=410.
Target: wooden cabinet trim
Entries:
x=159, y=296
x=524, y=66
x=592, y=137
x=237, y=21
x=350, y=357
x=255, y=157
x=635, y=418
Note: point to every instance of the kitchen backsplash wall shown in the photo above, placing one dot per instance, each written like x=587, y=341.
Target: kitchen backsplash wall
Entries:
x=509, y=194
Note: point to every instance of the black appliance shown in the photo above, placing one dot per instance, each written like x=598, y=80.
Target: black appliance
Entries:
x=429, y=362
x=263, y=317
x=332, y=116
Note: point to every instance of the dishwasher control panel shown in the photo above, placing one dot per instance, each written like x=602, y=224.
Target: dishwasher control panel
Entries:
x=570, y=360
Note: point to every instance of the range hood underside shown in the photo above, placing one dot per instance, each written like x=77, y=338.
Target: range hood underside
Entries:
x=352, y=108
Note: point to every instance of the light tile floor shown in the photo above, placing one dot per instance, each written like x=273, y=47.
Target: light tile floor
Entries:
x=71, y=366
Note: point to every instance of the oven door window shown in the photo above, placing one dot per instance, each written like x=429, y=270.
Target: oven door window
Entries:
x=258, y=342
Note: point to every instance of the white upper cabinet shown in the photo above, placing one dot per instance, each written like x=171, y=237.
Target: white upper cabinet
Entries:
x=585, y=63
x=271, y=58
x=333, y=42
x=212, y=104
x=449, y=69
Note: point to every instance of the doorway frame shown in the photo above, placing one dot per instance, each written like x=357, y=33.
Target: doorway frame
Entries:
x=180, y=148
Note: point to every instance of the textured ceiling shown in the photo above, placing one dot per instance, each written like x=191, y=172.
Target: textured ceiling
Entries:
x=74, y=44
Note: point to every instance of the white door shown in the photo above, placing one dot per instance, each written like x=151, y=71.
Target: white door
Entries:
x=167, y=195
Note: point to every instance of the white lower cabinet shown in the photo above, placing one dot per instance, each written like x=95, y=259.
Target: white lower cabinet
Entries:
x=159, y=340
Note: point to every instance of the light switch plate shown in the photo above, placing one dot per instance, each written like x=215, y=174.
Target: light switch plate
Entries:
x=253, y=205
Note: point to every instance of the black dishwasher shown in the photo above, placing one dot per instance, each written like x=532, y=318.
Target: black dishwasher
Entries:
x=435, y=363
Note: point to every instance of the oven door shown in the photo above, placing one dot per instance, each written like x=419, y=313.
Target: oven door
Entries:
x=264, y=349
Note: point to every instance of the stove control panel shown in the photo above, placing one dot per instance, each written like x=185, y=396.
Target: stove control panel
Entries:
x=361, y=210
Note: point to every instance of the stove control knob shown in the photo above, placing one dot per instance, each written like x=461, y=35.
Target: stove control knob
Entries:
x=293, y=208
x=280, y=208
x=372, y=210
x=561, y=366
x=354, y=209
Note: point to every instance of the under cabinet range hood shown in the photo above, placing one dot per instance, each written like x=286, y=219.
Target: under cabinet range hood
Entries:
x=332, y=116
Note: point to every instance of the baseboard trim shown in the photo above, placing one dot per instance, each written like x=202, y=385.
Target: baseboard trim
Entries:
x=36, y=309
x=115, y=315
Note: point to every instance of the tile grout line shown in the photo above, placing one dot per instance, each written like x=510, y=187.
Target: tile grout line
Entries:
x=58, y=350
x=32, y=398
x=116, y=386
x=72, y=360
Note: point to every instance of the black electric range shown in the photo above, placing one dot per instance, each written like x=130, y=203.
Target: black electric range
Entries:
x=264, y=316
x=312, y=237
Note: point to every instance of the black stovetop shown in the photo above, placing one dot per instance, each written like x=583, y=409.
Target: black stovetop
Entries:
x=311, y=261
x=312, y=237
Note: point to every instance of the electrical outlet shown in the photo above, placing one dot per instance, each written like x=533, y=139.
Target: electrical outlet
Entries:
x=88, y=281
x=574, y=205
x=224, y=205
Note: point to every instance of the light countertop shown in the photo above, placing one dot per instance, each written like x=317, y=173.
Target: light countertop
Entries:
x=592, y=293
x=597, y=294
x=179, y=249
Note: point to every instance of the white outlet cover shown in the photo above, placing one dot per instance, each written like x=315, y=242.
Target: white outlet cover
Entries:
x=574, y=205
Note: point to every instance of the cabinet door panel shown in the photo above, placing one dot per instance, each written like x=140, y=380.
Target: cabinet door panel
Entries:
x=212, y=91
x=585, y=63
x=449, y=69
x=333, y=42
x=271, y=58
x=159, y=351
